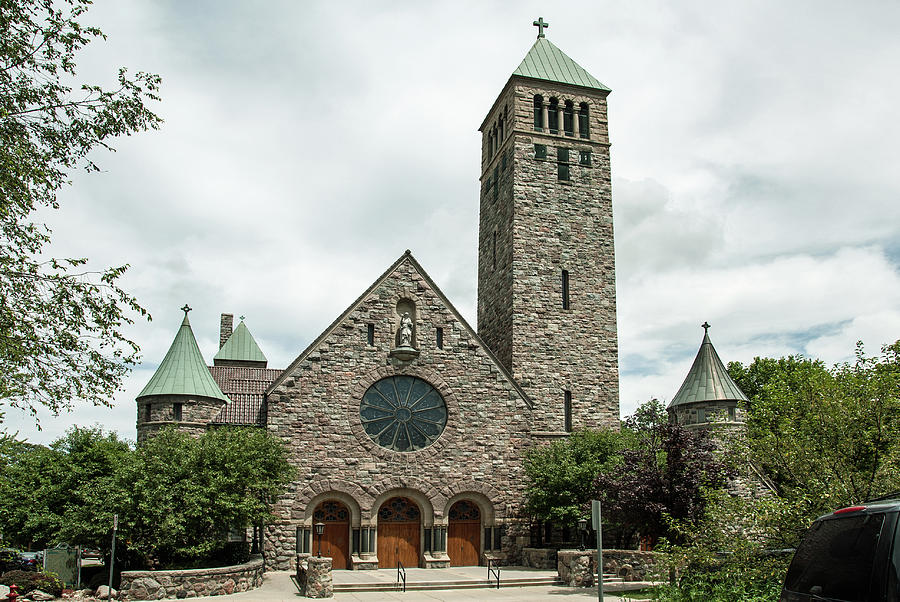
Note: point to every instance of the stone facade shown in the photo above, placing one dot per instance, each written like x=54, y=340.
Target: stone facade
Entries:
x=161, y=585
x=159, y=411
x=534, y=225
x=315, y=407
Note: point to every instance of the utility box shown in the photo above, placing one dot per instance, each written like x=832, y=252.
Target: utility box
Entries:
x=63, y=562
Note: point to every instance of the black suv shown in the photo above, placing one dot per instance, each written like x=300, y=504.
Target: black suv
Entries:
x=850, y=555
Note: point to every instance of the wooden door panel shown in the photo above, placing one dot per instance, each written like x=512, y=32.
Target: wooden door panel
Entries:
x=336, y=544
x=398, y=542
x=464, y=542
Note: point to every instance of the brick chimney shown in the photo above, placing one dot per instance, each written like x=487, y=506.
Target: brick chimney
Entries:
x=225, y=328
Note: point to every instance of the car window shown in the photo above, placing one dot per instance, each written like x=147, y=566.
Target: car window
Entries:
x=836, y=555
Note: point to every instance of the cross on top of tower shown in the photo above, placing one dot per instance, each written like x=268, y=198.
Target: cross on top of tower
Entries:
x=540, y=24
x=705, y=327
x=186, y=309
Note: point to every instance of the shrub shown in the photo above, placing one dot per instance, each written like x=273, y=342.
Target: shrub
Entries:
x=28, y=581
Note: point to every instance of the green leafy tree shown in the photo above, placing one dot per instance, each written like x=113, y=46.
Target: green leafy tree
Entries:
x=664, y=474
x=827, y=437
x=65, y=493
x=561, y=475
x=61, y=335
x=186, y=493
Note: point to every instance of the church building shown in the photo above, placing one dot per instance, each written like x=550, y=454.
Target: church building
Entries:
x=408, y=426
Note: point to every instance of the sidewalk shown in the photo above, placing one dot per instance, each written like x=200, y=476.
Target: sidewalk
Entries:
x=278, y=587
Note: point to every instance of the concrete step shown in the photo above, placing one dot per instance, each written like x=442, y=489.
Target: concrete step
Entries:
x=439, y=585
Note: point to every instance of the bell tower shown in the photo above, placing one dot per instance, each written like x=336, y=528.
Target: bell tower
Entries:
x=546, y=260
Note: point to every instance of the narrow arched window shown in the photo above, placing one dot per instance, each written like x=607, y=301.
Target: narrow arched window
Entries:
x=584, y=129
x=569, y=118
x=553, y=116
x=538, y=113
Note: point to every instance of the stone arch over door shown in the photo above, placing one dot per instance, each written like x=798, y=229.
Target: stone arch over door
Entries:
x=464, y=521
x=335, y=539
x=485, y=505
x=395, y=487
x=399, y=537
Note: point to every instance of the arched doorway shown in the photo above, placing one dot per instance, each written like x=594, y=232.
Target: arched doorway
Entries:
x=464, y=534
x=399, y=520
x=335, y=540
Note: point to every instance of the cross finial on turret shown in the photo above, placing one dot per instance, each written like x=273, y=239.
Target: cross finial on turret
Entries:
x=541, y=25
x=705, y=327
x=186, y=309
x=242, y=318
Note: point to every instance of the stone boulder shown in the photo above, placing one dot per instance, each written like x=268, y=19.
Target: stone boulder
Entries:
x=40, y=596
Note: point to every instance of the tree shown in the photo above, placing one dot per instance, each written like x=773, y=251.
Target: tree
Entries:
x=61, y=325
x=664, y=474
x=561, y=475
x=827, y=437
x=66, y=493
x=186, y=493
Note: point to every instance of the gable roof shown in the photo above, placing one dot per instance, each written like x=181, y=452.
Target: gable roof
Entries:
x=407, y=256
x=183, y=371
x=547, y=62
x=707, y=380
x=241, y=347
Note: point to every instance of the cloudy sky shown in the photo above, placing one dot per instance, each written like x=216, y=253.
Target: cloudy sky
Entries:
x=307, y=145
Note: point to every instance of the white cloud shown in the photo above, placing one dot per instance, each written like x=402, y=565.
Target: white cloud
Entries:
x=306, y=146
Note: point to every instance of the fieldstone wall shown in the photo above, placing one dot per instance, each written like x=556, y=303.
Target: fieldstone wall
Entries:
x=319, y=583
x=315, y=408
x=191, y=583
x=631, y=565
x=534, y=225
x=576, y=567
x=539, y=558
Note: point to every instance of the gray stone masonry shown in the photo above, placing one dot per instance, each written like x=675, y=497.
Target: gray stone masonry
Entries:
x=319, y=583
x=534, y=226
x=196, y=413
x=575, y=568
x=160, y=585
x=314, y=408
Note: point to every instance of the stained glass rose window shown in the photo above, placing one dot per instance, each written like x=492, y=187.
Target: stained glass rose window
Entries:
x=403, y=413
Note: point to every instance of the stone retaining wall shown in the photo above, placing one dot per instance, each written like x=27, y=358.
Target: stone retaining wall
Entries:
x=539, y=558
x=632, y=565
x=191, y=583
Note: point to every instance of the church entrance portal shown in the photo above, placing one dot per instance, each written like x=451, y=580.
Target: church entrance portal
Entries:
x=399, y=520
x=464, y=534
x=335, y=539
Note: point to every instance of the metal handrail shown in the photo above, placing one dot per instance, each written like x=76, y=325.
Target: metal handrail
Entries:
x=493, y=569
x=401, y=575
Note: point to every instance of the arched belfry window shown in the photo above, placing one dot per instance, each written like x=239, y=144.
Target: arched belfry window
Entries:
x=569, y=118
x=538, y=112
x=553, y=116
x=584, y=130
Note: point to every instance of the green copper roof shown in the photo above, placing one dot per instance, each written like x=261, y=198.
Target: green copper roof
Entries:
x=546, y=61
x=241, y=346
x=708, y=379
x=183, y=371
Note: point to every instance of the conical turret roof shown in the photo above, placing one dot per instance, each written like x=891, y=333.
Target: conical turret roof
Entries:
x=183, y=371
x=546, y=61
x=707, y=380
x=241, y=347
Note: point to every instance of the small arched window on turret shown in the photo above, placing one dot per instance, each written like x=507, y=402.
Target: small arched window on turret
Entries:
x=553, y=116
x=569, y=118
x=538, y=113
x=584, y=130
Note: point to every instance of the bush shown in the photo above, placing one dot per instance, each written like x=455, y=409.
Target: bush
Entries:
x=28, y=581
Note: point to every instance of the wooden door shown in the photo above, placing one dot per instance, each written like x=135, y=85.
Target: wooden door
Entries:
x=464, y=534
x=463, y=542
x=399, y=529
x=398, y=542
x=336, y=544
x=335, y=539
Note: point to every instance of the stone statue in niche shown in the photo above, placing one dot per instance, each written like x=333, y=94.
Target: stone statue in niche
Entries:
x=406, y=330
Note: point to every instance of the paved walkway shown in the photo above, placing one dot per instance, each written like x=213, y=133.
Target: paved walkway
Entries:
x=278, y=587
